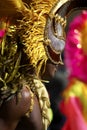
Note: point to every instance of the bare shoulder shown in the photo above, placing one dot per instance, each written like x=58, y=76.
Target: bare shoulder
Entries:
x=18, y=105
x=24, y=109
x=31, y=111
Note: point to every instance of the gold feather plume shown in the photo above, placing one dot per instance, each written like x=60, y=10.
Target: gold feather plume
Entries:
x=31, y=30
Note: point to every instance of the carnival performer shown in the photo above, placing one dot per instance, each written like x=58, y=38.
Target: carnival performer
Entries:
x=29, y=40
x=75, y=95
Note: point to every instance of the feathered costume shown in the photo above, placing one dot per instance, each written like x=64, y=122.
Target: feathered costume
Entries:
x=25, y=48
x=75, y=95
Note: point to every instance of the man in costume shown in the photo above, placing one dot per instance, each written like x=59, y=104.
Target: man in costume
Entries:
x=31, y=36
x=74, y=105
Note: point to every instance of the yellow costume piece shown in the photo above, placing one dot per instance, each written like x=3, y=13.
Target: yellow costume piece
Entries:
x=77, y=89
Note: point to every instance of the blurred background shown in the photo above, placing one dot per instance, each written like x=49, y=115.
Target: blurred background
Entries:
x=55, y=88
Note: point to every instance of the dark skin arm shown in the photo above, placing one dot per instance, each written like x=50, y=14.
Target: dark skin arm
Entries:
x=32, y=123
x=11, y=114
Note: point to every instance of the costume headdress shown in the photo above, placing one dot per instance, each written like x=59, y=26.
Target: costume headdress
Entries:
x=45, y=29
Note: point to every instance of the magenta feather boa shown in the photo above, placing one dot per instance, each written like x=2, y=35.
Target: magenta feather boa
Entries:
x=76, y=48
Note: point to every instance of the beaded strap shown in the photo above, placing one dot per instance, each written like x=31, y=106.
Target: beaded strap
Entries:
x=31, y=104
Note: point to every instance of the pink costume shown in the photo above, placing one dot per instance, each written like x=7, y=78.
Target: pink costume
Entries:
x=74, y=105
